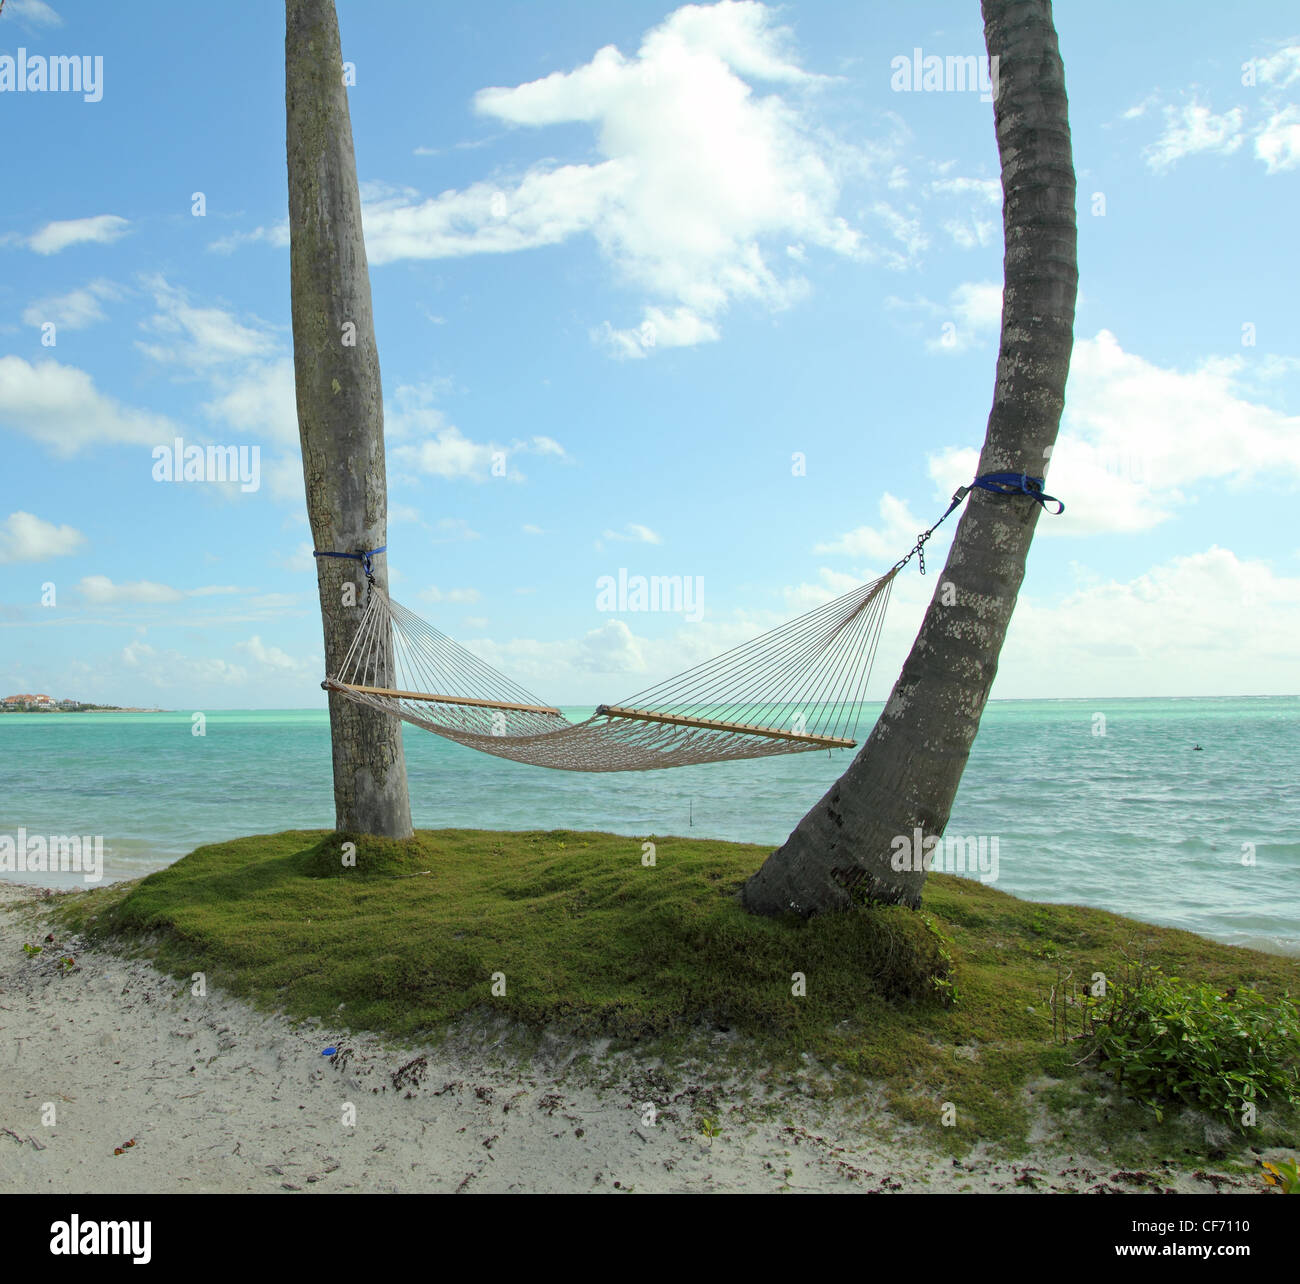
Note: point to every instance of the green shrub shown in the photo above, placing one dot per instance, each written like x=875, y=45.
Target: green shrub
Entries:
x=1284, y=1176
x=1168, y=1040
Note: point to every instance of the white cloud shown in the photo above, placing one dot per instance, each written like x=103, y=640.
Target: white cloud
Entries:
x=60, y=406
x=282, y=477
x=175, y=671
x=739, y=34
x=103, y=229
x=213, y=590
x=1208, y=623
x=978, y=304
x=270, y=656
x=554, y=669
x=1272, y=365
x=276, y=235
x=886, y=543
x=975, y=226
x=562, y=670
x=251, y=385
x=802, y=598
x=971, y=232
x=259, y=398
x=1194, y=128
x=301, y=561
x=1159, y=430
x=199, y=338
x=465, y=145
x=453, y=530
x=1278, y=142
x=1138, y=110
x=1135, y=437
x=137, y=652
x=27, y=538
x=72, y=311
x=698, y=174
x=445, y=451
x=681, y=328
x=435, y=594
x=987, y=190
x=101, y=591
x=612, y=648
x=1280, y=69
x=34, y=13
x=634, y=533
x=973, y=312
x=405, y=513
x=546, y=206
x=907, y=231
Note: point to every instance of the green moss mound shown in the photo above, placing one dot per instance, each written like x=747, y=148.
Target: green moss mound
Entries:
x=588, y=938
x=364, y=856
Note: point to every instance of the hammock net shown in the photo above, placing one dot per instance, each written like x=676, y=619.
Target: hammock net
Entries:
x=795, y=689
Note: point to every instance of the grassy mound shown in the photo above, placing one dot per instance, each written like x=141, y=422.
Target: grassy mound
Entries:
x=365, y=856
x=579, y=933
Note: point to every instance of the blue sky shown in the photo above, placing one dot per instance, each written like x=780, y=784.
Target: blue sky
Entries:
x=650, y=254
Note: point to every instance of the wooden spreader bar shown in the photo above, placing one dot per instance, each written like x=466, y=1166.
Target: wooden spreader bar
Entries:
x=713, y=724
x=441, y=699
x=608, y=710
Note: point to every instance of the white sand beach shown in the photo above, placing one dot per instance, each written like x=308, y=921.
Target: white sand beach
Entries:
x=217, y=1096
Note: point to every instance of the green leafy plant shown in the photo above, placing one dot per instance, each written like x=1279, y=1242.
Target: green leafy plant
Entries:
x=710, y=1128
x=942, y=979
x=31, y=950
x=1284, y=1176
x=1167, y=1040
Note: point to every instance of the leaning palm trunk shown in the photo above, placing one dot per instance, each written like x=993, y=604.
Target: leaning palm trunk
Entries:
x=847, y=848
x=340, y=402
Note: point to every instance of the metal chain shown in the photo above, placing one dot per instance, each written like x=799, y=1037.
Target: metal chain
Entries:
x=919, y=550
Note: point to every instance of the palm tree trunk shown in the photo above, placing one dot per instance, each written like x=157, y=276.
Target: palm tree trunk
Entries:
x=906, y=775
x=340, y=401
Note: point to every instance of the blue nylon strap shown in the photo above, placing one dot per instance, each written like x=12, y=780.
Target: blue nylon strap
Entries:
x=1018, y=484
x=363, y=557
x=995, y=484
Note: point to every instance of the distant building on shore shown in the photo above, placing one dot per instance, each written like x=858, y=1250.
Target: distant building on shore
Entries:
x=45, y=704
x=38, y=701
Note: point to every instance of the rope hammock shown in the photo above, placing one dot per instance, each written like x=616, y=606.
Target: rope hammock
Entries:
x=794, y=689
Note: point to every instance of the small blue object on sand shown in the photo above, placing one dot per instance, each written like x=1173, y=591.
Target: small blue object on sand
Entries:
x=329, y=1052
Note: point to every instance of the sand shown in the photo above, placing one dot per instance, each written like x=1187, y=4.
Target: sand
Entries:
x=216, y=1096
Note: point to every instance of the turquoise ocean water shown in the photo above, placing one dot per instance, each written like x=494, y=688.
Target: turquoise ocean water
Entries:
x=1133, y=820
